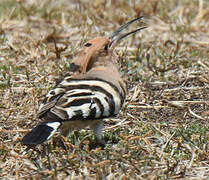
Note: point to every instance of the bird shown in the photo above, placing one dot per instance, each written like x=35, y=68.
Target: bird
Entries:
x=93, y=91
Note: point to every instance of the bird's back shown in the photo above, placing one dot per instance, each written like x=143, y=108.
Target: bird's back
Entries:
x=82, y=98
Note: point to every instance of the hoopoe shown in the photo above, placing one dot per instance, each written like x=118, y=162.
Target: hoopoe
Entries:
x=94, y=91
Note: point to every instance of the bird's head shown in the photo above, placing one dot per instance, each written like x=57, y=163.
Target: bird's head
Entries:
x=98, y=51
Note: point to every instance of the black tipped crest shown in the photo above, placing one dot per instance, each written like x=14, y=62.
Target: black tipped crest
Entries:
x=74, y=67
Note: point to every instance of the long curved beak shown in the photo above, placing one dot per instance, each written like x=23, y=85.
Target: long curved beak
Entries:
x=114, y=34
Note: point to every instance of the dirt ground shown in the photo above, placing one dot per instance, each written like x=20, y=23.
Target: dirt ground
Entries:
x=162, y=131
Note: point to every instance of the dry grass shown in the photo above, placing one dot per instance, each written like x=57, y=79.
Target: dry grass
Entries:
x=162, y=131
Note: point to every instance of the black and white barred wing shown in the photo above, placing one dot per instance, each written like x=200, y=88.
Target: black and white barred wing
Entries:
x=50, y=101
x=51, y=122
x=74, y=100
x=85, y=99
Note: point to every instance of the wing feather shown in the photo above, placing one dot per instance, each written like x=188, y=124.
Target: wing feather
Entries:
x=80, y=99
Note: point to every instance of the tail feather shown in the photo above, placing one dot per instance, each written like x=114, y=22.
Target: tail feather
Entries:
x=42, y=132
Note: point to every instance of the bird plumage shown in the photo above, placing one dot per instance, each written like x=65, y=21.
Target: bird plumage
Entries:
x=93, y=92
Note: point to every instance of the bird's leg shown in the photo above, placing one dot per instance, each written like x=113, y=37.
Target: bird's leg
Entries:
x=97, y=128
x=65, y=132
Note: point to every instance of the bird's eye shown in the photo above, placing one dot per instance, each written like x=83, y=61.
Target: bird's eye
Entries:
x=87, y=45
x=106, y=48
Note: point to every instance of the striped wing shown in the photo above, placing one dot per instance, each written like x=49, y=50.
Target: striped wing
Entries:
x=74, y=99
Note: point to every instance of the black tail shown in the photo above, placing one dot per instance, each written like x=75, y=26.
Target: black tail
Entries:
x=42, y=132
